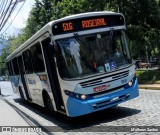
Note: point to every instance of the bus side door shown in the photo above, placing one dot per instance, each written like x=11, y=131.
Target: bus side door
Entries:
x=52, y=74
x=23, y=80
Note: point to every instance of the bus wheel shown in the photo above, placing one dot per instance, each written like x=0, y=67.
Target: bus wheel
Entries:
x=22, y=95
x=48, y=103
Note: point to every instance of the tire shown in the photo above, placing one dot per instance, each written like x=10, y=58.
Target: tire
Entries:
x=48, y=104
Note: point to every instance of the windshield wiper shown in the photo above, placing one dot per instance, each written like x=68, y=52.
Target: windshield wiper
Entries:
x=86, y=46
x=82, y=42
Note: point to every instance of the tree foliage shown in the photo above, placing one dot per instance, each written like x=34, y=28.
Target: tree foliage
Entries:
x=142, y=19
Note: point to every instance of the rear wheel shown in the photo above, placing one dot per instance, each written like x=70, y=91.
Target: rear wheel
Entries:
x=48, y=103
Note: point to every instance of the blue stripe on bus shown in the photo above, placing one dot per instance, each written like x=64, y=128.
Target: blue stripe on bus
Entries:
x=78, y=107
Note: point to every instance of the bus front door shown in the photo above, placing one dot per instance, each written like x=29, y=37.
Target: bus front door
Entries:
x=52, y=74
x=22, y=73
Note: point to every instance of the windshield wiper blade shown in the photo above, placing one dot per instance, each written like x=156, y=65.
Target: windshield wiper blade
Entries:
x=82, y=42
x=86, y=46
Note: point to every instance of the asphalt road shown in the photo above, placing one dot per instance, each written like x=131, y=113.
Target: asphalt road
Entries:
x=143, y=112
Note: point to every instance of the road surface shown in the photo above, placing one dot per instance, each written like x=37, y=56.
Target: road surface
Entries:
x=143, y=111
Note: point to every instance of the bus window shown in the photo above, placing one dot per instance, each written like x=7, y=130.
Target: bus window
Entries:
x=15, y=66
x=27, y=62
x=37, y=58
x=9, y=68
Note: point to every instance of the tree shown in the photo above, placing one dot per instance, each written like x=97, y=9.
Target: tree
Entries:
x=71, y=7
x=39, y=16
x=142, y=19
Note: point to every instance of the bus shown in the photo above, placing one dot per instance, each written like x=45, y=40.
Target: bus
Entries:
x=76, y=65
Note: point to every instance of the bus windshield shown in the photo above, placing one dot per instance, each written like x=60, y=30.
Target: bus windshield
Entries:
x=92, y=54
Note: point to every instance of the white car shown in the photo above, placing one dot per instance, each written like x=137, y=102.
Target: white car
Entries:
x=2, y=78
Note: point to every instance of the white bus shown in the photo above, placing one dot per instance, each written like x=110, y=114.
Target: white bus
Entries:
x=76, y=65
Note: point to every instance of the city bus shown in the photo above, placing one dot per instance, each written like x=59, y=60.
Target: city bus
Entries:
x=76, y=65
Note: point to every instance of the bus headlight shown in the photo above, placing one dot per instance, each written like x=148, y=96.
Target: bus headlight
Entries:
x=77, y=95
x=130, y=83
x=83, y=97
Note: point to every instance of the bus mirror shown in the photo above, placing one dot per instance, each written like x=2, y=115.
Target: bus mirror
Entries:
x=51, y=44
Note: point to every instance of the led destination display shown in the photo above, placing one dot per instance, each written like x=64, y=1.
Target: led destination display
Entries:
x=87, y=23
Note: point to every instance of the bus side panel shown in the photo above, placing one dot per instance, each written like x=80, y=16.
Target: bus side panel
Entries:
x=36, y=86
x=15, y=84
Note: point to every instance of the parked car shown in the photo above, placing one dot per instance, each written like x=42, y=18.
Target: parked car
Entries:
x=154, y=63
x=2, y=78
x=136, y=62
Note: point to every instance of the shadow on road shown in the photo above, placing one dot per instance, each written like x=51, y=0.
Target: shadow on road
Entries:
x=89, y=120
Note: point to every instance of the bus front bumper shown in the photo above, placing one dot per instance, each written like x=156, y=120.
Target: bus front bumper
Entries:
x=79, y=107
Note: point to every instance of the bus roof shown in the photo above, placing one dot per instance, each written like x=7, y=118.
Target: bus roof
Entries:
x=86, y=15
x=47, y=28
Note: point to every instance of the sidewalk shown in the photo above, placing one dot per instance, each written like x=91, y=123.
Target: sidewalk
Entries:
x=149, y=86
x=9, y=116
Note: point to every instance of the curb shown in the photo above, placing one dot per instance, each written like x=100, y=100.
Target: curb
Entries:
x=149, y=87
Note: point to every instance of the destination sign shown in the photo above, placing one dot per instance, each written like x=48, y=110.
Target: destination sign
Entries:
x=87, y=23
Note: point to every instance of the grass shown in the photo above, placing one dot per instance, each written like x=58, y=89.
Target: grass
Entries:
x=148, y=76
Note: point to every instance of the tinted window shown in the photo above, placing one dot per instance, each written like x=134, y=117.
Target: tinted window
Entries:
x=27, y=62
x=37, y=57
x=15, y=66
x=9, y=68
x=92, y=54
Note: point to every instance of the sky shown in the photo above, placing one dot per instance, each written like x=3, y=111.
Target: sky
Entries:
x=20, y=20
